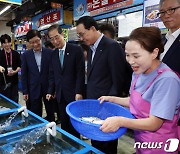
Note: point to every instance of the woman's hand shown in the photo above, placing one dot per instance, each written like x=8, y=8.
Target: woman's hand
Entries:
x=2, y=69
x=104, y=98
x=112, y=124
x=49, y=97
x=78, y=97
x=26, y=97
x=116, y=100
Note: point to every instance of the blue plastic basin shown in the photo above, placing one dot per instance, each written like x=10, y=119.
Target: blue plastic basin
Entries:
x=92, y=108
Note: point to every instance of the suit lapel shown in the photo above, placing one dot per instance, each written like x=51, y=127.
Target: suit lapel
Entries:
x=34, y=61
x=57, y=60
x=66, y=56
x=43, y=55
x=89, y=61
x=172, y=49
x=97, y=55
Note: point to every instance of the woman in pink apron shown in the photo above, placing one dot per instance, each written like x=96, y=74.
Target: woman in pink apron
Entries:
x=154, y=96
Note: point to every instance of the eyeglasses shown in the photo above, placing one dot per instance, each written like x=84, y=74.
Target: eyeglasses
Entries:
x=81, y=34
x=169, y=11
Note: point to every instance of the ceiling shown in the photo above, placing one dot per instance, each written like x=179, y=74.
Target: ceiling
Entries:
x=30, y=8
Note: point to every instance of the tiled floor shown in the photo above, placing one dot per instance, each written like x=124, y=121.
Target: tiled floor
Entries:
x=125, y=142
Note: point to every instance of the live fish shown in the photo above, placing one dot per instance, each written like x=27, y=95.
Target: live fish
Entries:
x=94, y=120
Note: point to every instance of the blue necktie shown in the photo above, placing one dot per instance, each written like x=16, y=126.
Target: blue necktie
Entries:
x=61, y=57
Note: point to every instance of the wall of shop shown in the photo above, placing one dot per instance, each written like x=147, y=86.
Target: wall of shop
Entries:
x=4, y=29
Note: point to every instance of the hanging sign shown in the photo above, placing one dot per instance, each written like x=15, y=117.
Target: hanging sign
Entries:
x=100, y=7
x=22, y=29
x=96, y=4
x=65, y=32
x=49, y=18
x=46, y=19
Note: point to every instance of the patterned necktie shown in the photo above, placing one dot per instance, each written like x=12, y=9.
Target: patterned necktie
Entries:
x=93, y=50
x=164, y=40
x=61, y=57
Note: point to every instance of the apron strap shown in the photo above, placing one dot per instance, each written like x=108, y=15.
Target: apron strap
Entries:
x=134, y=82
x=159, y=72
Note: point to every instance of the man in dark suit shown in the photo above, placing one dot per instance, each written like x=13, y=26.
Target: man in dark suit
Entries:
x=109, y=31
x=66, y=74
x=170, y=15
x=35, y=72
x=106, y=68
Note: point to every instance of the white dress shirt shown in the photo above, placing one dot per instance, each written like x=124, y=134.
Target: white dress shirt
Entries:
x=171, y=37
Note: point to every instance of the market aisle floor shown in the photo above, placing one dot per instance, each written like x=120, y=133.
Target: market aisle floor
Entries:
x=125, y=143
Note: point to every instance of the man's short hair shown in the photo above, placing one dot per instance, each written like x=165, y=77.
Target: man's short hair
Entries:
x=88, y=22
x=106, y=27
x=55, y=26
x=32, y=33
x=161, y=1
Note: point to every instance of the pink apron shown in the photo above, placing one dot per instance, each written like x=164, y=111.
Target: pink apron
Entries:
x=140, y=108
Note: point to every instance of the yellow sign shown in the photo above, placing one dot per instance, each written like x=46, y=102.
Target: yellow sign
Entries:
x=65, y=31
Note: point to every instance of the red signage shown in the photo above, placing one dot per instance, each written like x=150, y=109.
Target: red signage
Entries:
x=96, y=4
x=124, y=3
x=23, y=29
x=49, y=18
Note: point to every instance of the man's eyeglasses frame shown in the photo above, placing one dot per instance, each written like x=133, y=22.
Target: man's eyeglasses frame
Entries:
x=168, y=11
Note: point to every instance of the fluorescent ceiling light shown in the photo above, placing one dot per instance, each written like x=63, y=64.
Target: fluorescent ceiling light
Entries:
x=5, y=9
x=120, y=17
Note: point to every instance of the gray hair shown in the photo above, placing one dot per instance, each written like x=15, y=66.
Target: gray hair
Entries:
x=161, y=1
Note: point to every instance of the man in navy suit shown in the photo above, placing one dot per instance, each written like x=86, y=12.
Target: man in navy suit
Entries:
x=35, y=72
x=170, y=15
x=106, y=68
x=66, y=74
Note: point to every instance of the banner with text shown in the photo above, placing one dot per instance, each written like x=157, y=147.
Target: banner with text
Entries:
x=46, y=19
x=100, y=7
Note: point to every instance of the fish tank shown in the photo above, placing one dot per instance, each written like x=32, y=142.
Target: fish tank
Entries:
x=37, y=141
x=14, y=121
x=22, y=131
x=7, y=104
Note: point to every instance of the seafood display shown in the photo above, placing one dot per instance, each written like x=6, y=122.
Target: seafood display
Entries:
x=94, y=120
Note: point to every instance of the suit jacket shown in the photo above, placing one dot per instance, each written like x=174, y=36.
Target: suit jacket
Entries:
x=172, y=56
x=68, y=80
x=35, y=83
x=106, y=74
